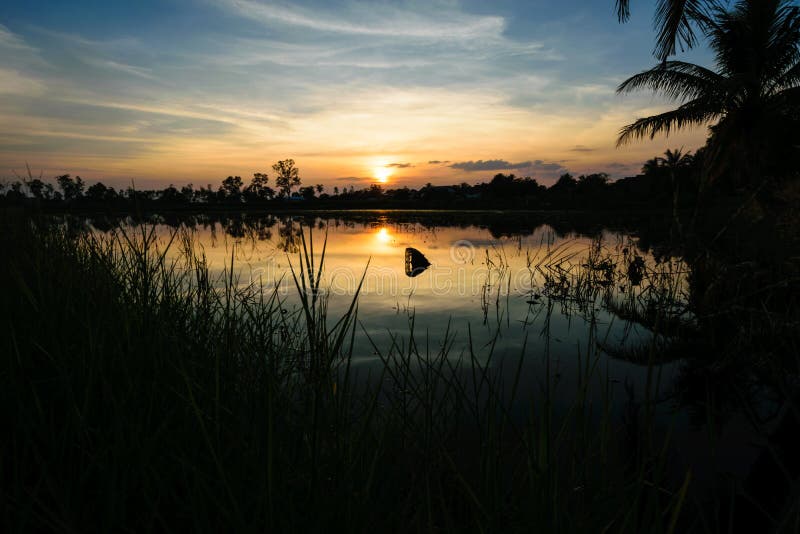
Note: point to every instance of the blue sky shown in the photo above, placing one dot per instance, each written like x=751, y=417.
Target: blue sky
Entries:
x=180, y=91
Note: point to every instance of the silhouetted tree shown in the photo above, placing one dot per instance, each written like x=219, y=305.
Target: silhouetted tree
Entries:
x=258, y=188
x=188, y=192
x=753, y=97
x=652, y=167
x=71, y=188
x=171, y=195
x=207, y=194
x=675, y=161
x=287, y=176
x=674, y=20
x=15, y=191
x=40, y=190
x=99, y=192
x=307, y=192
x=231, y=188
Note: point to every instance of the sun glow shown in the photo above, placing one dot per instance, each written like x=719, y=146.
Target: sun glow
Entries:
x=383, y=236
x=382, y=174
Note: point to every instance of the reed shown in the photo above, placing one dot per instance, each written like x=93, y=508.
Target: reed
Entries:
x=145, y=394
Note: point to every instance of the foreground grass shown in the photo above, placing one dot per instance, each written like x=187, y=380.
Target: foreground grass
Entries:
x=139, y=394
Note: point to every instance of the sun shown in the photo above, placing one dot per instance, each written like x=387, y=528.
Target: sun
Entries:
x=382, y=174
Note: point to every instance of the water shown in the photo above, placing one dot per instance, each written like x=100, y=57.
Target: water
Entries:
x=566, y=303
x=544, y=292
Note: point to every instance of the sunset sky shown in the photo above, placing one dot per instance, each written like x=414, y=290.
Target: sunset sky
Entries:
x=442, y=91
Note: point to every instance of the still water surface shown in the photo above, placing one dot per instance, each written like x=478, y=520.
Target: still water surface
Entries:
x=537, y=293
x=563, y=302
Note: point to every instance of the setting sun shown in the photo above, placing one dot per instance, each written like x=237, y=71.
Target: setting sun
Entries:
x=382, y=174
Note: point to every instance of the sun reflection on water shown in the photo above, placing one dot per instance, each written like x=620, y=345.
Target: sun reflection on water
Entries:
x=383, y=236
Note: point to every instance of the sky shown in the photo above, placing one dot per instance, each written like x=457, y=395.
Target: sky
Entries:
x=443, y=91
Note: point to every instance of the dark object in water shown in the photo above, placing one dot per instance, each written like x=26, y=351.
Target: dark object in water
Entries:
x=416, y=262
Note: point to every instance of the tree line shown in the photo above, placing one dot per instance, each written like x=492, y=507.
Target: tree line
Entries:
x=673, y=179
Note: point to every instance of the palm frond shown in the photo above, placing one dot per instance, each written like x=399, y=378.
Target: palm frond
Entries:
x=694, y=113
x=786, y=103
x=787, y=80
x=673, y=20
x=623, y=10
x=782, y=48
x=676, y=80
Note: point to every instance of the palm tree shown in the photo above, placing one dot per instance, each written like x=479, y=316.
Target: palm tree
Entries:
x=751, y=100
x=674, y=21
x=651, y=166
x=674, y=161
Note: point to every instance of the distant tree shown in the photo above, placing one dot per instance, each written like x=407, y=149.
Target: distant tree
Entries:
x=231, y=188
x=320, y=188
x=287, y=176
x=596, y=180
x=591, y=188
x=39, y=189
x=651, y=167
x=258, y=188
x=171, y=195
x=188, y=192
x=307, y=192
x=562, y=192
x=71, y=188
x=400, y=194
x=97, y=192
x=15, y=191
x=336, y=190
x=564, y=183
x=139, y=195
x=675, y=161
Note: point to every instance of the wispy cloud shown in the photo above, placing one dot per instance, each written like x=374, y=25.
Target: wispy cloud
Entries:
x=342, y=86
x=15, y=82
x=542, y=166
x=489, y=165
x=383, y=20
x=120, y=67
x=11, y=41
x=581, y=148
x=354, y=179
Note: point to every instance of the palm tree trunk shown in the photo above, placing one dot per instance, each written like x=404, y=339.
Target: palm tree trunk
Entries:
x=675, y=192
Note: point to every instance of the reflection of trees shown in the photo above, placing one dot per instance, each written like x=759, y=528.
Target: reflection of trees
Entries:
x=289, y=236
x=234, y=227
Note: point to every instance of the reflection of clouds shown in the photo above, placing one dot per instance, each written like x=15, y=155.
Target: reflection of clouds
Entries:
x=446, y=286
x=441, y=281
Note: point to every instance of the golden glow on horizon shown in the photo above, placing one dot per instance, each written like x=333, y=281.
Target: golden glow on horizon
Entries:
x=382, y=174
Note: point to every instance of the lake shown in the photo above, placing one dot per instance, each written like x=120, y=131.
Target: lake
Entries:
x=558, y=303
x=495, y=288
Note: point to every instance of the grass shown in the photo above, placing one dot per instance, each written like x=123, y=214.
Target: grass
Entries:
x=142, y=394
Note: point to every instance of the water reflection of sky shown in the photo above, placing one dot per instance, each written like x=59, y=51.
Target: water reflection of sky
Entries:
x=485, y=293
